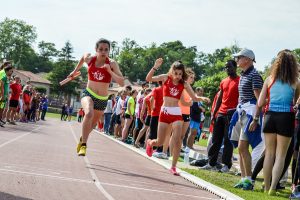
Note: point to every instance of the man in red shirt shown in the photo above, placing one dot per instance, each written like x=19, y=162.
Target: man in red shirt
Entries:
x=225, y=107
x=16, y=90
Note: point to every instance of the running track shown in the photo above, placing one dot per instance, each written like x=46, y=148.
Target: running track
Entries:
x=39, y=161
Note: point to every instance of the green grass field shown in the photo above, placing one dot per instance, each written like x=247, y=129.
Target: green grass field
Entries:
x=203, y=143
x=226, y=181
x=55, y=115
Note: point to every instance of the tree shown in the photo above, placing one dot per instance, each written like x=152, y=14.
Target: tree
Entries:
x=47, y=50
x=60, y=71
x=16, y=39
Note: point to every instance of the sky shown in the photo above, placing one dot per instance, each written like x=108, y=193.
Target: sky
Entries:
x=264, y=26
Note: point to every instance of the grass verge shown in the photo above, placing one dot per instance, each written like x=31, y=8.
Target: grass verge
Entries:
x=56, y=115
x=226, y=181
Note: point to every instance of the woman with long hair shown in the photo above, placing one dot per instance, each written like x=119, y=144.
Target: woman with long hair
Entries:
x=170, y=117
x=279, y=93
x=101, y=71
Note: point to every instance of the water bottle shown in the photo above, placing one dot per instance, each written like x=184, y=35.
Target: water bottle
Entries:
x=187, y=155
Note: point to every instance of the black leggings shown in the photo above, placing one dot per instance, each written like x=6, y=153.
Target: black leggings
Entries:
x=260, y=163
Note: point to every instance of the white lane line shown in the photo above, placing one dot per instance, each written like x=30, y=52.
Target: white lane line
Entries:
x=92, y=172
x=132, y=181
x=158, y=191
x=7, y=171
x=44, y=175
x=19, y=137
x=23, y=166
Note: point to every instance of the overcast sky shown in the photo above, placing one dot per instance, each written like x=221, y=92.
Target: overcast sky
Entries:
x=264, y=26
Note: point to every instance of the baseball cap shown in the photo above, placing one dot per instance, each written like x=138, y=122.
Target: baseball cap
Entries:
x=247, y=53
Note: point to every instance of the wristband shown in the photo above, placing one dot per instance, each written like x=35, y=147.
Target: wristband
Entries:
x=255, y=118
x=154, y=68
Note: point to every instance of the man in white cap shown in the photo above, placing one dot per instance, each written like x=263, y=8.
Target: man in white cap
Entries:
x=250, y=86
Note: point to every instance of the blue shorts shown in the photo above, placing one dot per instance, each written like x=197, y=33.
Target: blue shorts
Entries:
x=194, y=125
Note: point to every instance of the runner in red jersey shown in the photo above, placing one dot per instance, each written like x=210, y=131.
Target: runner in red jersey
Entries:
x=170, y=115
x=101, y=70
x=16, y=90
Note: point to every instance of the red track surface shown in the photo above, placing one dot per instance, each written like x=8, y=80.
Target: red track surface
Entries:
x=39, y=161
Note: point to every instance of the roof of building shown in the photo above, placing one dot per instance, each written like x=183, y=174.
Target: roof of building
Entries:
x=32, y=77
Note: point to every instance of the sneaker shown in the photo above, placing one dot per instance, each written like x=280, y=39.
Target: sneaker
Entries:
x=248, y=185
x=149, y=149
x=156, y=154
x=208, y=167
x=173, y=171
x=164, y=156
x=82, y=151
x=79, y=145
x=224, y=169
x=240, y=184
x=12, y=122
x=272, y=193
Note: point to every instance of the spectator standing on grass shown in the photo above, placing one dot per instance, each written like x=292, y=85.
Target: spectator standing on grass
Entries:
x=226, y=103
x=250, y=86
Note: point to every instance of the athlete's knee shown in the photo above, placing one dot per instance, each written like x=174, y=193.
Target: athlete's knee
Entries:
x=89, y=115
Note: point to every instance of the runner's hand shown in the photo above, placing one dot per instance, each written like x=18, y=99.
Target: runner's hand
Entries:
x=205, y=99
x=253, y=126
x=72, y=74
x=158, y=63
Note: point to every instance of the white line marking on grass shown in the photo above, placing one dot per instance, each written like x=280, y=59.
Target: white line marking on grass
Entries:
x=92, y=172
x=17, y=138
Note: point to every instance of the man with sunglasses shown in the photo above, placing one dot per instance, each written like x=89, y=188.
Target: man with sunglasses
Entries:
x=225, y=106
x=250, y=86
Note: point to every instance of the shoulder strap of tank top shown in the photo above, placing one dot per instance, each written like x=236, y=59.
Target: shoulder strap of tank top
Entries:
x=92, y=61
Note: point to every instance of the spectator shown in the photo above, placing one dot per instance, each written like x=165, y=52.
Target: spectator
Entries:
x=249, y=89
x=80, y=114
x=107, y=114
x=44, y=107
x=225, y=107
x=279, y=92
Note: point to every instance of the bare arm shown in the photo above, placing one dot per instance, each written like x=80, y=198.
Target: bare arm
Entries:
x=297, y=93
x=150, y=76
x=116, y=74
x=193, y=96
x=260, y=104
x=144, y=106
x=86, y=58
x=1, y=90
x=218, y=103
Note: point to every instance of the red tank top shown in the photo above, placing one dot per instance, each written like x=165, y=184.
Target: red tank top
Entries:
x=171, y=90
x=98, y=74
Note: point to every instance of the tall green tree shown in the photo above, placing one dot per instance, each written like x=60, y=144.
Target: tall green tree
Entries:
x=62, y=68
x=16, y=39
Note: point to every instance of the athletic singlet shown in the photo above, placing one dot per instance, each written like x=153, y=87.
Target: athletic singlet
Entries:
x=171, y=90
x=280, y=97
x=98, y=74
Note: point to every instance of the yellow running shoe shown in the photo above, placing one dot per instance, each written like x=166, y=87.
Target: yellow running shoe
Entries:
x=79, y=144
x=82, y=151
x=78, y=147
